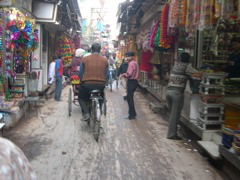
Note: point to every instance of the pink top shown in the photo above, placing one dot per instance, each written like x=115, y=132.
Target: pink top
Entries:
x=132, y=71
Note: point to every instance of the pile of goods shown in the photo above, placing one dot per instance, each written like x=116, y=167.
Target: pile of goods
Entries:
x=75, y=80
x=236, y=144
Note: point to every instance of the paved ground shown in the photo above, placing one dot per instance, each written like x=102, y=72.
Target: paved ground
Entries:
x=62, y=147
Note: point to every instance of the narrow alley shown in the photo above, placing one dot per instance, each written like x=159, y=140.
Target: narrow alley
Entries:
x=63, y=147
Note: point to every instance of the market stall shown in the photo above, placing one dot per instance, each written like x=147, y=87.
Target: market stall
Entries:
x=16, y=46
x=155, y=47
x=213, y=39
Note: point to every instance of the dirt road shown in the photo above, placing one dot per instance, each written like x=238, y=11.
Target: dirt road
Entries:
x=63, y=147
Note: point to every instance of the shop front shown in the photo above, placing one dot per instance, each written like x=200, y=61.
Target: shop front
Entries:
x=210, y=34
x=154, y=49
x=19, y=38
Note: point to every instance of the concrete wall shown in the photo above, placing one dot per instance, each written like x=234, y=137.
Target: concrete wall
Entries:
x=11, y=118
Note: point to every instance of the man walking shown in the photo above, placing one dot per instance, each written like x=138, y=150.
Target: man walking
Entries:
x=93, y=75
x=51, y=77
x=123, y=69
x=59, y=74
x=132, y=83
x=175, y=90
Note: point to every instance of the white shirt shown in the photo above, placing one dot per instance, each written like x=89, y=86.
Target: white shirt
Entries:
x=51, y=73
x=87, y=54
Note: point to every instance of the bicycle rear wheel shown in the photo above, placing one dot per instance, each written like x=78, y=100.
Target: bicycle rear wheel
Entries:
x=111, y=81
x=104, y=106
x=97, y=122
x=117, y=83
x=70, y=102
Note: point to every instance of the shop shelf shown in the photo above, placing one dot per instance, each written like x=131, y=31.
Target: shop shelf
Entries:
x=204, y=126
x=17, y=91
x=213, y=78
x=19, y=85
x=212, y=89
x=215, y=61
x=211, y=117
x=206, y=108
x=210, y=99
x=203, y=121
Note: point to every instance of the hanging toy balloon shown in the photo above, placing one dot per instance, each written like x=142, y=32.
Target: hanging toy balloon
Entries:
x=15, y=35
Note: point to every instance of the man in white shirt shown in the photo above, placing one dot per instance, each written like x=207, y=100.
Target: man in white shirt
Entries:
x=51, y=77
x=88, y=52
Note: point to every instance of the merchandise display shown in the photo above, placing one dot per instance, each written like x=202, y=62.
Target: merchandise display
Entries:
x=190, y=26
x=20, y=40
x=65, y=48
x=211, y=114
x=145, y=66
x=206, y=18
x=165, y=41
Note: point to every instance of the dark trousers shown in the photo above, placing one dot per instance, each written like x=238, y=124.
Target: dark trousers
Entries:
x=58, y=90
x=84, y=95
x=131, y=88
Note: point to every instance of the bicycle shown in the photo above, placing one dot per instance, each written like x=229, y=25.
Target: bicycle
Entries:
x=95, y=106
x=117, y=82
x=110, y=80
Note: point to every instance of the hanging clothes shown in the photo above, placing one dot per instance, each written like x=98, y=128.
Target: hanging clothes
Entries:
x=145, y=62
x=153, y=34
x=155, y=59
x=206, y=17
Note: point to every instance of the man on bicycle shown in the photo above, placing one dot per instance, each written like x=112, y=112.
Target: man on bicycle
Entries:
x=93, y=74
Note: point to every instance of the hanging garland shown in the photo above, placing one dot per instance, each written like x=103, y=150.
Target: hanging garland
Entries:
x=206, y=18
x=190, y=26
x=65, y=48
x=177, y=13
x=1, y=40
x=165, y=40
x=157, y=36
x=174, y=13
x=183, y=13
x=154, y=31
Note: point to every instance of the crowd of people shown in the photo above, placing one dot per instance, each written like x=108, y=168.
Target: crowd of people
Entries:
x=94, y=69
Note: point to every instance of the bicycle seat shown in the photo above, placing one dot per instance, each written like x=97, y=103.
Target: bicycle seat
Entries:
x=95, y=91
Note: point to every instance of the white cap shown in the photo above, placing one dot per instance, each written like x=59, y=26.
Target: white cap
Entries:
x=79, y=52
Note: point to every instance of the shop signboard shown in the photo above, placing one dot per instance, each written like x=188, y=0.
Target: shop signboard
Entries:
x=4, y=3
x=44, y=11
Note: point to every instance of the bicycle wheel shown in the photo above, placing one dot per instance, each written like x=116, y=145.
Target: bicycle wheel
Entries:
x=104, y=106
x=70, y=102
x=93, y=114
x=117, y=83
x=97, y=124
x=110, y=83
